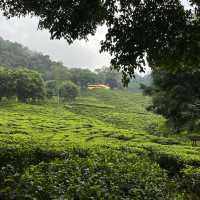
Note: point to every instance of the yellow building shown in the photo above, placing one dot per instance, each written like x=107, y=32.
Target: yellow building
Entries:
x=98, y=86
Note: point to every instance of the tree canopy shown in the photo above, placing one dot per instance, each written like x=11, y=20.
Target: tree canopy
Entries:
x=176, y=96
x=162, y=31
x=68, y=91
x=7, y=83
x=29, y=85
x=26, y=85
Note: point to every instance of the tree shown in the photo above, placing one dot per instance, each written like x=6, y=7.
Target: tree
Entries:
x=59, y=72
x=136, y=85
x=82, y=77
x=162, y=31
x=29, y=85
x=176, y=96
x=68, y=91
x=51, y=88
x=109, y=77
x=7, y=83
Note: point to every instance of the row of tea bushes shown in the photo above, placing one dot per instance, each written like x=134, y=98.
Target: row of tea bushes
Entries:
x=89, y=174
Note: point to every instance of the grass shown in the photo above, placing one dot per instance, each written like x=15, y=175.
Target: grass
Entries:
x=99, y=121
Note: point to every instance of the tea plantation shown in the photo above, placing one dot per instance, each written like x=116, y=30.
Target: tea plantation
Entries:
x=105, y=145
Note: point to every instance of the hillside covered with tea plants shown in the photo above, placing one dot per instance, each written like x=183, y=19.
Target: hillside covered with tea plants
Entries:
x=104, y=145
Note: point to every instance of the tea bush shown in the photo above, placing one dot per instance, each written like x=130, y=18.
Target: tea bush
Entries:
x=78, y=151
x=101, y=175
x=191, y=183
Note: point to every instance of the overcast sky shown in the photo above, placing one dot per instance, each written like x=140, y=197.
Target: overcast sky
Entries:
x=80, y=54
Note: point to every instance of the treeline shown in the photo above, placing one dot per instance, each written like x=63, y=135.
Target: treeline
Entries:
x=15, y=55
x=28, y=86
x=83, y=77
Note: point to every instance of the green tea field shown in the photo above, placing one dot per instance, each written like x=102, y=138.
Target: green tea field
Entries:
x=105, y=145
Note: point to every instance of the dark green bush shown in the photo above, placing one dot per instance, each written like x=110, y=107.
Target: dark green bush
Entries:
x=101, y=175
x=172, y=163
x=21, y=158
x=68, y=91
x=191, y=183
x=165, y=141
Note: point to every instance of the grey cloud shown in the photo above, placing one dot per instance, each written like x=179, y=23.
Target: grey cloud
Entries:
x=80, y=54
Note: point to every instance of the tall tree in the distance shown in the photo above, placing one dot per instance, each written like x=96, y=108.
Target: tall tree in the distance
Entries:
x=7, y=83
x=109, y=77
x=162, y=29
x=29, y=85
x=68, y=91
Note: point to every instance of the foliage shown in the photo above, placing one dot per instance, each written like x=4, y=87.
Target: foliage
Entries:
x=59, y=73
x=29, y=85
x=51, y=88
x=7, y=83
x=131, y=116
x=99, y=177
x=176, y=97
x=192, y=182
x=22, y=83
x=86, y=175
x=83, y=77
x=109, y=77
x=15, y=55
x=135, y=84
x=45, y=150
x=162, y=31
x=68, y=91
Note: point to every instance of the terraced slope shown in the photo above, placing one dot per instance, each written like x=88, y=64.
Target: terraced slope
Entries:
x=102, y=134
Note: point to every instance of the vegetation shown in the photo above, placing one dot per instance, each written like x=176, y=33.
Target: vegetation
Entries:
x=68, y=91
x=29, y=86
x=94, y=148
x=51, y=88
x=162, y=31
x=102, y=144
x=7, y=83
x=176, y=97
x=24, y=84
x=16, y=56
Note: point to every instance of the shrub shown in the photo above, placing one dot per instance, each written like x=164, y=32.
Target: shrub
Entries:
x=23, y=83
x=101, y=175
x=172, y=163
x=191, y=183
x=68, y=91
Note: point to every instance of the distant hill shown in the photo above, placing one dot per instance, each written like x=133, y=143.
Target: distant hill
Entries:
x=14, y=55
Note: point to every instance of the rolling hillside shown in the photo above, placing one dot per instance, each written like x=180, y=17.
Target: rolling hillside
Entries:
x=106, y=133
